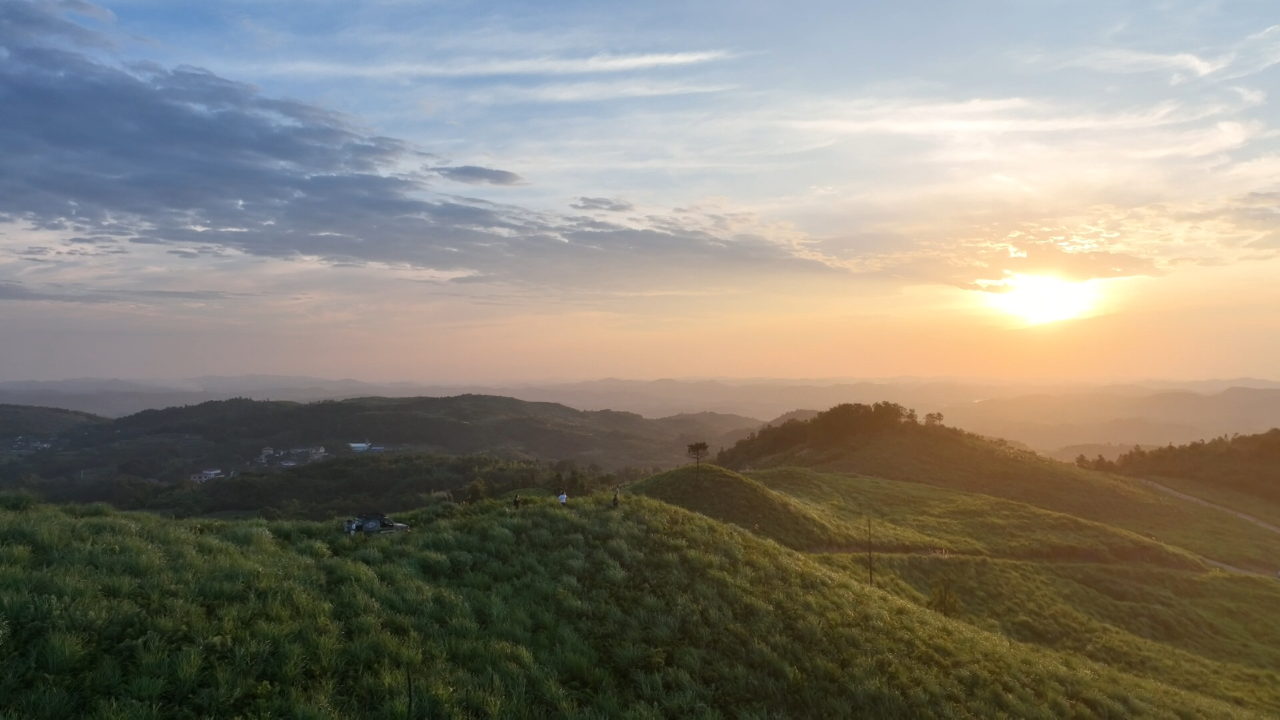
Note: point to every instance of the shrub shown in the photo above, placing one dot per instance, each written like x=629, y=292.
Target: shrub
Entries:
x=17, y=501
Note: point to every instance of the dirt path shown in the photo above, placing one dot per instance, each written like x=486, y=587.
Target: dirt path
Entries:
x=1233, y=568
x=1192, y=498
x=1243, y=516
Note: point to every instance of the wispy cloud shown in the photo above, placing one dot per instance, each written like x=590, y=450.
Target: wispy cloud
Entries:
x=591, y=91
x=1256, y=53
x=1130, y=61
x=602, y=63
x=983, y=116
x=1248, y=56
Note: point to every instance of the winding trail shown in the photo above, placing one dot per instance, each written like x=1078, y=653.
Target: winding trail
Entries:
x=1155, y=486
x=1223, y=508
x=1192, y=498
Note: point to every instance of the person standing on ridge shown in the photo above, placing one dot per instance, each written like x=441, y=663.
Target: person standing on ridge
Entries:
x=516, y=502
x=617, y=495
x=564, y=499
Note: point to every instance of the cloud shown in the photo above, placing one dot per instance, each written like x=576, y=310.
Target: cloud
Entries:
x=587, y=203
x=590, y=92
x=981, y=116
x=603, y=63
x=1249, y=56
x=1256, y=53
x=1131, y=61
x=187, y=159
x=20, y=292
x=61, y=294
x=473, y=175
x=975, y=264
x=24, y=23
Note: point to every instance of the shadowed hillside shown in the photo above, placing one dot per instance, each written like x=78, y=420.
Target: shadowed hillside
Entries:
x=729, y=497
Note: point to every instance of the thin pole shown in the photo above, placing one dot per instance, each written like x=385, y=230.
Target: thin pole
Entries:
x=408, y=683
x=871, y=578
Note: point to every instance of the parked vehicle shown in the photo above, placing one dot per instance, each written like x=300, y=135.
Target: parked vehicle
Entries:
x=375, y=524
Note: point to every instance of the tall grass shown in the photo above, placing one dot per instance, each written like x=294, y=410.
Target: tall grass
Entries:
x=485, y=611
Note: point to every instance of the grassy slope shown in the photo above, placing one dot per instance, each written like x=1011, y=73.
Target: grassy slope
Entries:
x=1034, y=576
x=730, y=497
x=968, y=523
x=1247, y=503
x=646, y=611
x=964, y=462
x=1208, y=630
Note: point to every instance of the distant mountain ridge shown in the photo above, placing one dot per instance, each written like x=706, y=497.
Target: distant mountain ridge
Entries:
x=1043, y=416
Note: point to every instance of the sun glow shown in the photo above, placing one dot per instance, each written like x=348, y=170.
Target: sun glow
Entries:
x=1039, y=300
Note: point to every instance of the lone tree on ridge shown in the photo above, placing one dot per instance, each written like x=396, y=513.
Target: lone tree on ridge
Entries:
x=697, y=451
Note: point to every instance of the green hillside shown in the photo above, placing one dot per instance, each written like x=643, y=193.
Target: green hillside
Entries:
x=961, y=523
x=1235, y=500
x=643, y=611
x=892, y=446
x=1030, y=575
x=1063, y=582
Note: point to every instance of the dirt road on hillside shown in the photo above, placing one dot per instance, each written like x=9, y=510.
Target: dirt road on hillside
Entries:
x=1192, y=498
x=1243, y=516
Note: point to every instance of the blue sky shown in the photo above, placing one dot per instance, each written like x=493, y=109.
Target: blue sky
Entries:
x=506, y=191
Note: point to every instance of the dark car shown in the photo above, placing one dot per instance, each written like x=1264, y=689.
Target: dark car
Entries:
x=373, y=525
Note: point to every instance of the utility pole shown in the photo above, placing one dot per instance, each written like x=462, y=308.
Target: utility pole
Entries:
x=871, y=577
x=408, y=684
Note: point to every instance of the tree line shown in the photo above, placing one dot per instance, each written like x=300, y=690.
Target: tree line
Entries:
x=1246, y=463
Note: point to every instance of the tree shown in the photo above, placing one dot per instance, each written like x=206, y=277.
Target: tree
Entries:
x=932, y=419
x=697, y=451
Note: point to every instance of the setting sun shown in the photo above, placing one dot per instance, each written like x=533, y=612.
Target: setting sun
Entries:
x=1039, y=300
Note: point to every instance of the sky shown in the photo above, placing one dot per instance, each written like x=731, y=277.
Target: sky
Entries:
x=512, y=192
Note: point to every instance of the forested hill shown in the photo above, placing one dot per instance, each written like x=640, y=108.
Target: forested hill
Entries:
x=166, y=444
x=20, y=420
x=830, y=434
x=1246, y=463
